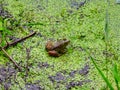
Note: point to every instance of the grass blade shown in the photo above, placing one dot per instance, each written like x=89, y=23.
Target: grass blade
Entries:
x=101, y=73
x=116, y=76
x=106, y=26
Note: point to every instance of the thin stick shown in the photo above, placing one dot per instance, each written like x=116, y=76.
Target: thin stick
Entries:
x=10, y=58
x=19, y=40
x=13, y=44
x=27, y=62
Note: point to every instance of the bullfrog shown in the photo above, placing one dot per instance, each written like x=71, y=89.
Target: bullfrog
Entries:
x=58, y=48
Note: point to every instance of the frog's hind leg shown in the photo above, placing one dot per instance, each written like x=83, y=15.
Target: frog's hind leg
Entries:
x=54, y=53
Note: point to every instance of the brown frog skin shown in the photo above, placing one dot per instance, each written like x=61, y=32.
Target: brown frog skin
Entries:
x=58, y=48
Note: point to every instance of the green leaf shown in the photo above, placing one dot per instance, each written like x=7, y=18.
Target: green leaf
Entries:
x=101, y=73
x=106, y=26
x=1, y=26
x=116, y=76
x=115, y=73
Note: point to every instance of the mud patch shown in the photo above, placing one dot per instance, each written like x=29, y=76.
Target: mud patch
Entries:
x=72, y=73
x=57, y=78
x=7, y=74
x=76, y=83
x=66, y=78
x=44, y=65
x=77, y=5
x=33, y=87
x=4, y=13
x=84, y=70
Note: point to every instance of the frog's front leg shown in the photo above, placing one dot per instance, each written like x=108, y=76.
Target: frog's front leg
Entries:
x=53, y=53
x=62, y=51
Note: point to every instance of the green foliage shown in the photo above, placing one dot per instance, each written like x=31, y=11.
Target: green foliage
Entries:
x=106, y=27
x=115, y=70
x=102, y=74
x=116, y=76
x=3, y=31
x=53, y=19
x=1, y=24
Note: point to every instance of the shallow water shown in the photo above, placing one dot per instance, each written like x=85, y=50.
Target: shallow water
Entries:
x=52, y=20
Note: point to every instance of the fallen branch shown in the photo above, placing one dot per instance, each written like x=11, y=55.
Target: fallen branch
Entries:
x=10, y=58
x=19, y=40
x=13, y=44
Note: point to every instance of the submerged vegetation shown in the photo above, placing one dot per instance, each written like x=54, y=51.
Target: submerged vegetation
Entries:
x=93, y=50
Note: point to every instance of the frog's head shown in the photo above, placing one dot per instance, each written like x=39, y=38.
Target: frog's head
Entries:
x=61, y=44
x=66, y=42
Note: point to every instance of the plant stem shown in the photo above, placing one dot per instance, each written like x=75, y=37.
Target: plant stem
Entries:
x=10, y=58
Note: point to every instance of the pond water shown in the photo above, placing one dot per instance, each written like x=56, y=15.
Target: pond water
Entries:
x=81, y=22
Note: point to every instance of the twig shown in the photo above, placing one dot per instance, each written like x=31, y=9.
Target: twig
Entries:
x=27, y=62
x=19, y=40
x=13, y=44
x=28, y=53
x=10, y=58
